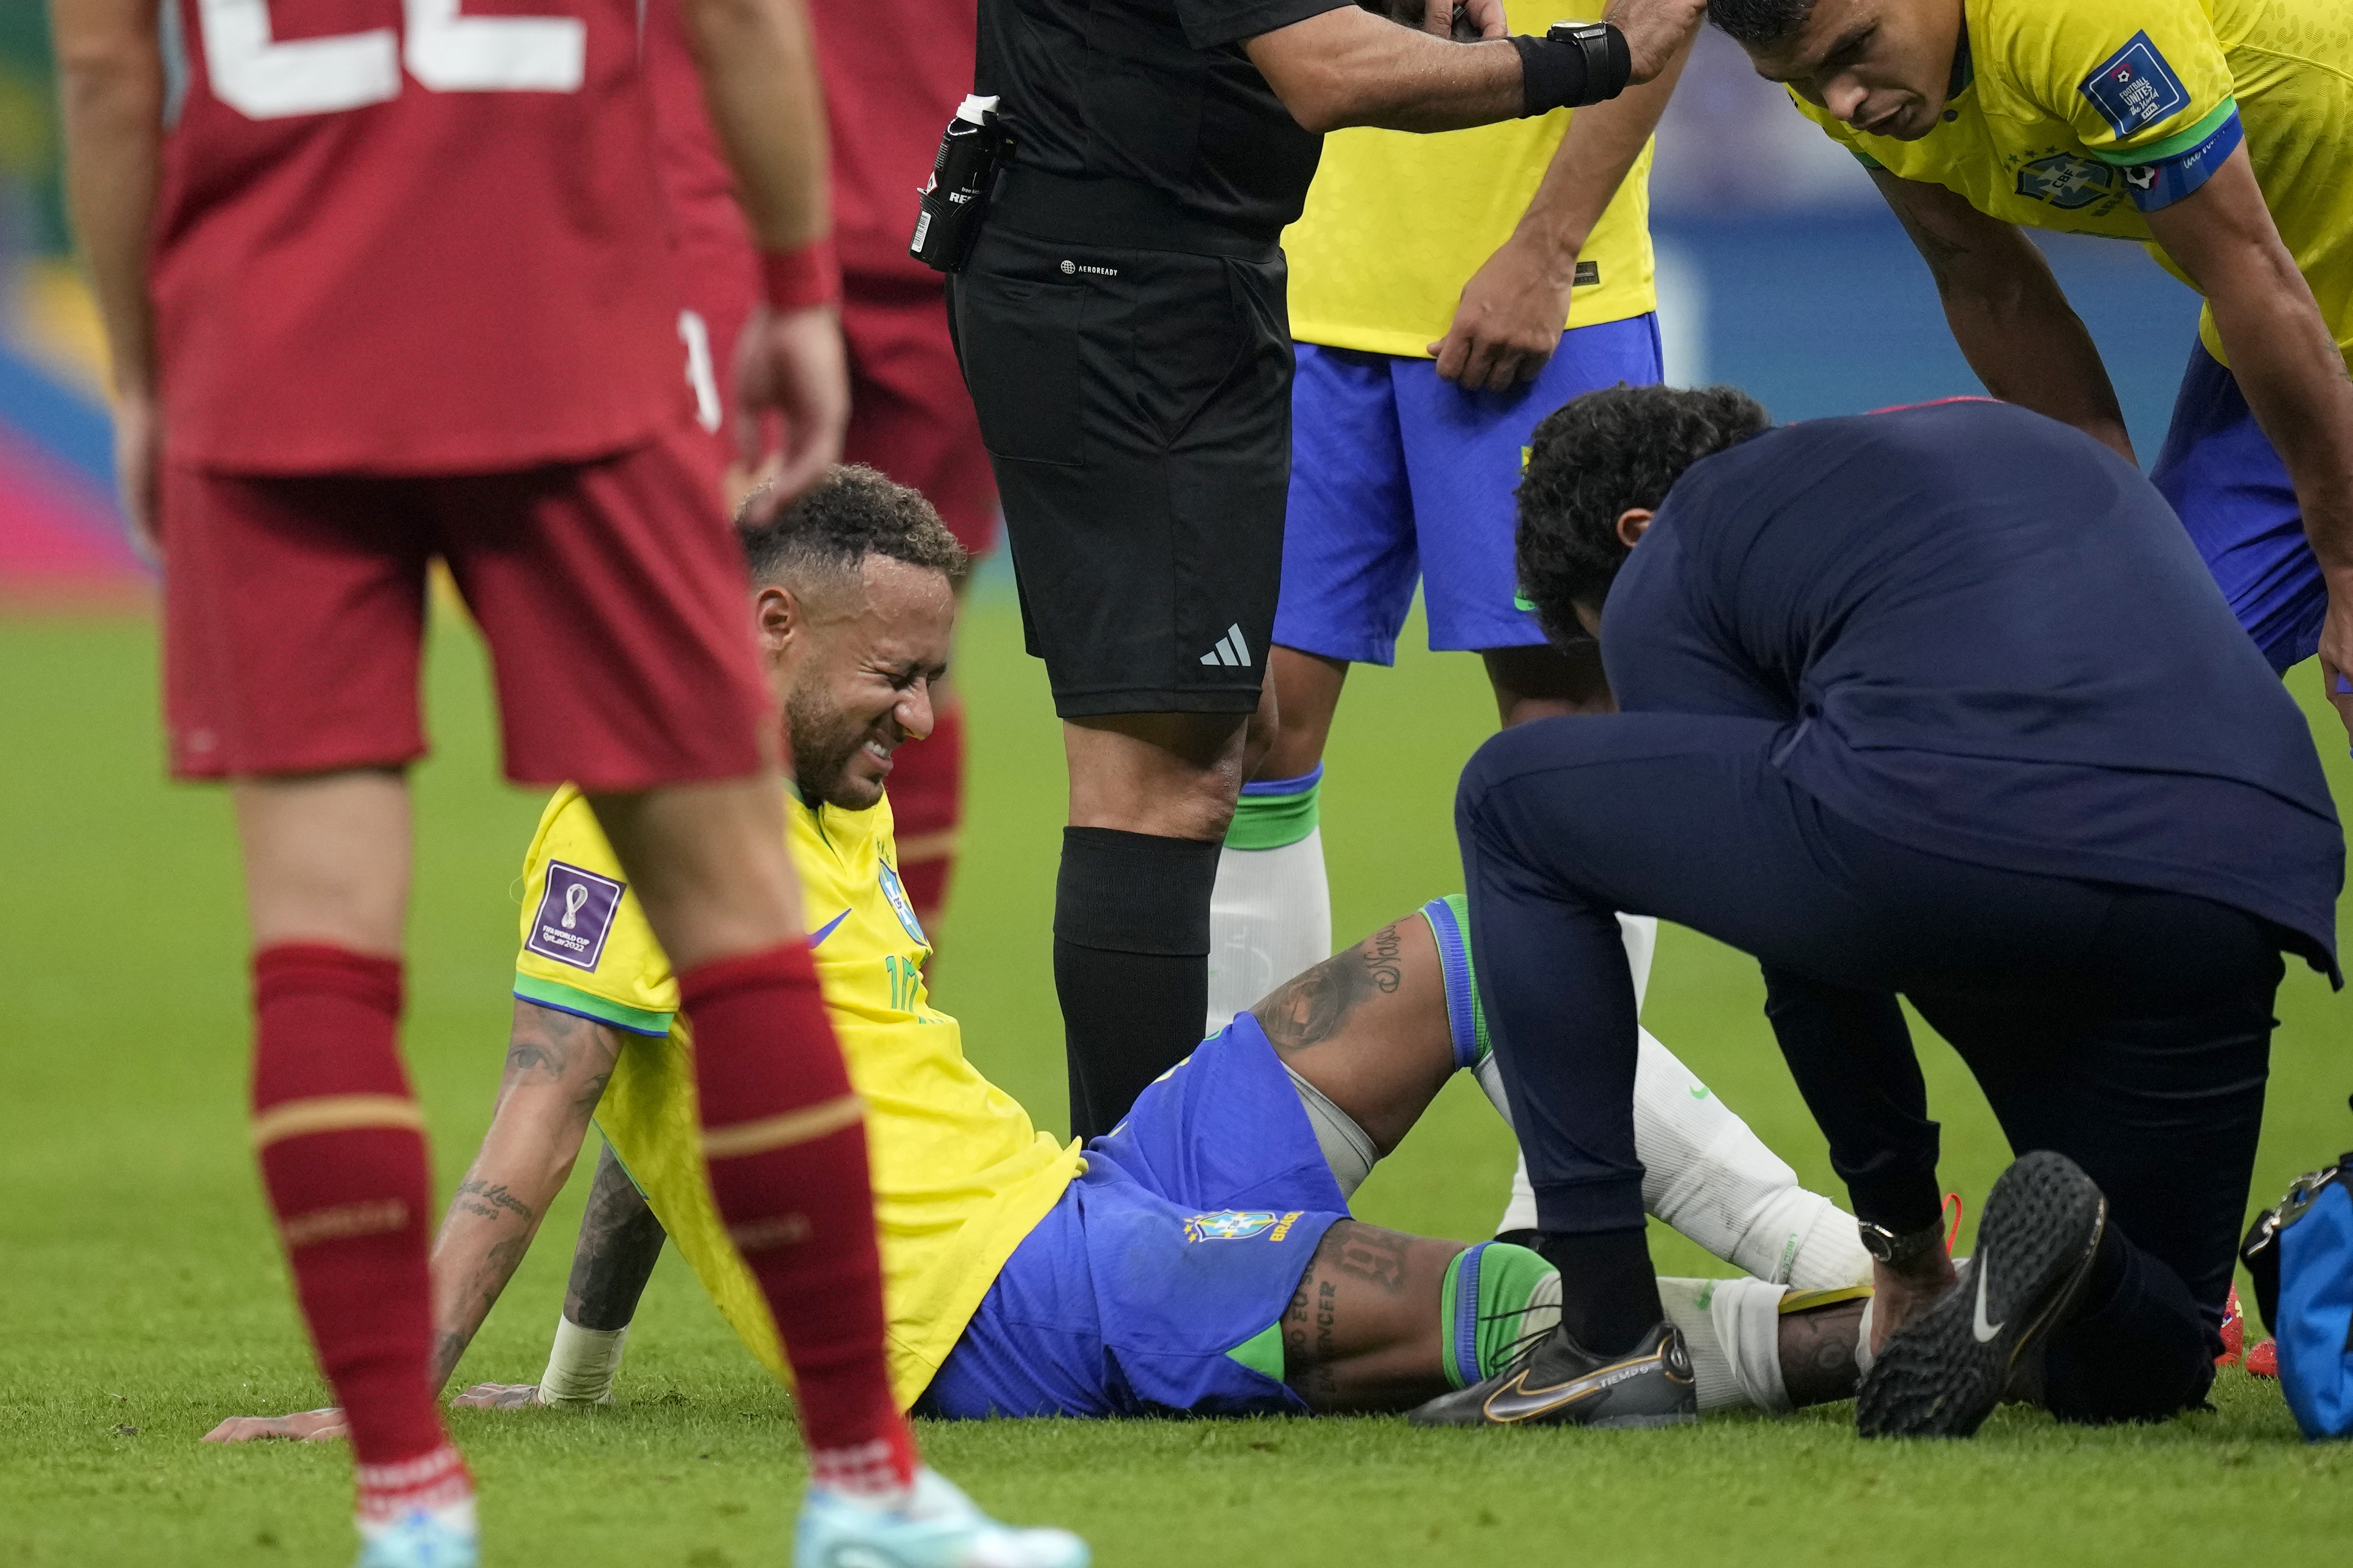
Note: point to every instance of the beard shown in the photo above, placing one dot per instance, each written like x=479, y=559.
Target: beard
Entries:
x=824, y=740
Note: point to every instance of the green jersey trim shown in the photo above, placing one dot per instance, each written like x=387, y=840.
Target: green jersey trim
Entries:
x=582, y=1005
x=2173, y=146
x=1263, y=1351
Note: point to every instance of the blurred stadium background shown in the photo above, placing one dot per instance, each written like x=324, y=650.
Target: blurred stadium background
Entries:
x=1781, y=271
x=140, y=1287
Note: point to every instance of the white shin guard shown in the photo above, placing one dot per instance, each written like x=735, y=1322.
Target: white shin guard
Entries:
x=1270, y=920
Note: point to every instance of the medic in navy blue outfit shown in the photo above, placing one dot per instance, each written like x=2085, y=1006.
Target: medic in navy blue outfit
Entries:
x=1937, y=703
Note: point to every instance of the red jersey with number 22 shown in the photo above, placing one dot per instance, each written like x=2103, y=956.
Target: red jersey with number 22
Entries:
x=411, y=236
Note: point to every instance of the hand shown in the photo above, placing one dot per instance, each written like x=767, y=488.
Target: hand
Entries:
x=303, y=1426
x=138, y=445
x=1900, y=1294
x=2337, y=651
x=498, y=1396
x=1509, y=321
x=1656, y=30
x=791, y=368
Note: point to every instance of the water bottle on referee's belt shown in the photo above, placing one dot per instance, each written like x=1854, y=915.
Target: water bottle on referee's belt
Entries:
x=956, y=201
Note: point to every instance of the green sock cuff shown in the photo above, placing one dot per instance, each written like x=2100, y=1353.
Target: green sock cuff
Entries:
x=1275, y=814
x=1485, y=1297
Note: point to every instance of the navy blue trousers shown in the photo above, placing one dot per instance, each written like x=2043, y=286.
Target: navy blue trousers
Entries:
x=2128, y=1029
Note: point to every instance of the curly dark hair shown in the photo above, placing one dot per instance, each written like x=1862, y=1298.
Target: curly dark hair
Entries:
x=849, y=514
x=1760, y=24
x=1601, y=455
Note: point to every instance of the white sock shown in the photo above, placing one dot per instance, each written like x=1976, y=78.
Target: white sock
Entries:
x=1271, y=913
x=581, y=1365
x=1641, y=935
x=1710, y=1176
x=1733, y=1328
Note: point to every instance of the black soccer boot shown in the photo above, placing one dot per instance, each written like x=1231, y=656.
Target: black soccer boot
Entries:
x=1941, y=1374
x=1559, y=1383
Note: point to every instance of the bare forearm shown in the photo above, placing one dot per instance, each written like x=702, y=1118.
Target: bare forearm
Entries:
x=556, y=1068
x=484, y=1238
x=2008, y=316
x=110, y=97
x=759, y=79
x=1595, y=155
x=1349, y=67
x=2294, y=382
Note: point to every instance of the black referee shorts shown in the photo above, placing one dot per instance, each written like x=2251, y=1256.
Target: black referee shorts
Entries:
x=1136, y=407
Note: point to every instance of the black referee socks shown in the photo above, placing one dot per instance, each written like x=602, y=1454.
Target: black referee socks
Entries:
x=1131, y=963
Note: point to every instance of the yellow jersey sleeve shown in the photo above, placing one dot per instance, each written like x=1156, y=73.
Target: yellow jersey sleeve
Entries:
x=586, y=947
x=2145, y=87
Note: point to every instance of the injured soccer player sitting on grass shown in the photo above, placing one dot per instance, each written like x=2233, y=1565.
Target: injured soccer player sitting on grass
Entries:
x=1200, y=1257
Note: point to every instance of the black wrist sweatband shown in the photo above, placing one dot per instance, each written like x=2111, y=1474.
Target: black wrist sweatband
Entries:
x=1571, y=68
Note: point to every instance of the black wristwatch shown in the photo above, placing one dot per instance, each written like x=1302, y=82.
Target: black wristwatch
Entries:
x=1593, y=38
x=1895, y=1250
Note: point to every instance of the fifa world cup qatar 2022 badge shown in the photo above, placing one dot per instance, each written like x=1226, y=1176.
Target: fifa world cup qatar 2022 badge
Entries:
x=575, y=917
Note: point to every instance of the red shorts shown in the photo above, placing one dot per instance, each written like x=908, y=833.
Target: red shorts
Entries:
x=611, y=594
x=910, y=416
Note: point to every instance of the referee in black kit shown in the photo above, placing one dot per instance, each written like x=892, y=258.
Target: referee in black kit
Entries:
x=1122, y=325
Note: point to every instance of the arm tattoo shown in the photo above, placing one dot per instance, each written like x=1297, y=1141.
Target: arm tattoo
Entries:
x=1314, y=1006
x=619, y=1241
x=487, y=1199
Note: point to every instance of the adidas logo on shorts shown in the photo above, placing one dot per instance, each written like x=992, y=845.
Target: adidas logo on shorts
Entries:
x=1230, y=649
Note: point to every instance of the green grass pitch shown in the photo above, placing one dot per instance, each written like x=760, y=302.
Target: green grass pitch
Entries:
x=142, y=1298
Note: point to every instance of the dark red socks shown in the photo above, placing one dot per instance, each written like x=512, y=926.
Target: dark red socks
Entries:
x=784, y=1136
x=342, y=1147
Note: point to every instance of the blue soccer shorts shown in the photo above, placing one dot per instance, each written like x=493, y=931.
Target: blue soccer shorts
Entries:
x=1397, y=474
x=2235, y=496
x=1158, y=1285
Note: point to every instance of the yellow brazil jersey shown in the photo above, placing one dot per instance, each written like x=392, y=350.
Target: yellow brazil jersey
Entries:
x=2083, y=114
x=960, y=1175
x=1396, y=223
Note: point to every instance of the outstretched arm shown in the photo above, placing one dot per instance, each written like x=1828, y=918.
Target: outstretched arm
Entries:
x=2007, y=313
x=555, y=1072
x=620, y=1241
x=1349, y=67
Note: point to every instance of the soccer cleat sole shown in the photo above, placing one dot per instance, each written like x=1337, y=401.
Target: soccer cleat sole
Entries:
x=1941, y=1374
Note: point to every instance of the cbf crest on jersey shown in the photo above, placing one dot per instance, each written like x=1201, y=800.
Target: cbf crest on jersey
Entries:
x=900, y=906
x=1228, y=1225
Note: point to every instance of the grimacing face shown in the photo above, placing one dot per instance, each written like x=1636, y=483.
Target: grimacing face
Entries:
x=855, y=660
x=1885, y=66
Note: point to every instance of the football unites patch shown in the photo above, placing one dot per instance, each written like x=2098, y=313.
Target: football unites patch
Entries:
x=575, y=917
x=2135, y=87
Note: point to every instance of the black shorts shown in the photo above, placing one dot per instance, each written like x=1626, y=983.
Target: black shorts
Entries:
x=1136, y=407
